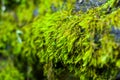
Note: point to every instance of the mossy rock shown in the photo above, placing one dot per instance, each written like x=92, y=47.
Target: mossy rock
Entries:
x=83, y=42
x=63, y=43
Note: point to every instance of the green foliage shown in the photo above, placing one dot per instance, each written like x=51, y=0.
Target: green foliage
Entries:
x=9, y=72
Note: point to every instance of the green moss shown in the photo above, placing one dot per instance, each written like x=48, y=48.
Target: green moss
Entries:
x=70, y=38
x=9, y=72
x=64, y=43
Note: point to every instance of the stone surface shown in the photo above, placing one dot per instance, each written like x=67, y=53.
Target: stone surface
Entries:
x=84, y=5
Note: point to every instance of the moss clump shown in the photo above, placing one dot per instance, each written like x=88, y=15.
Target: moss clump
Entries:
x=62, y=44
x=82, y=42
